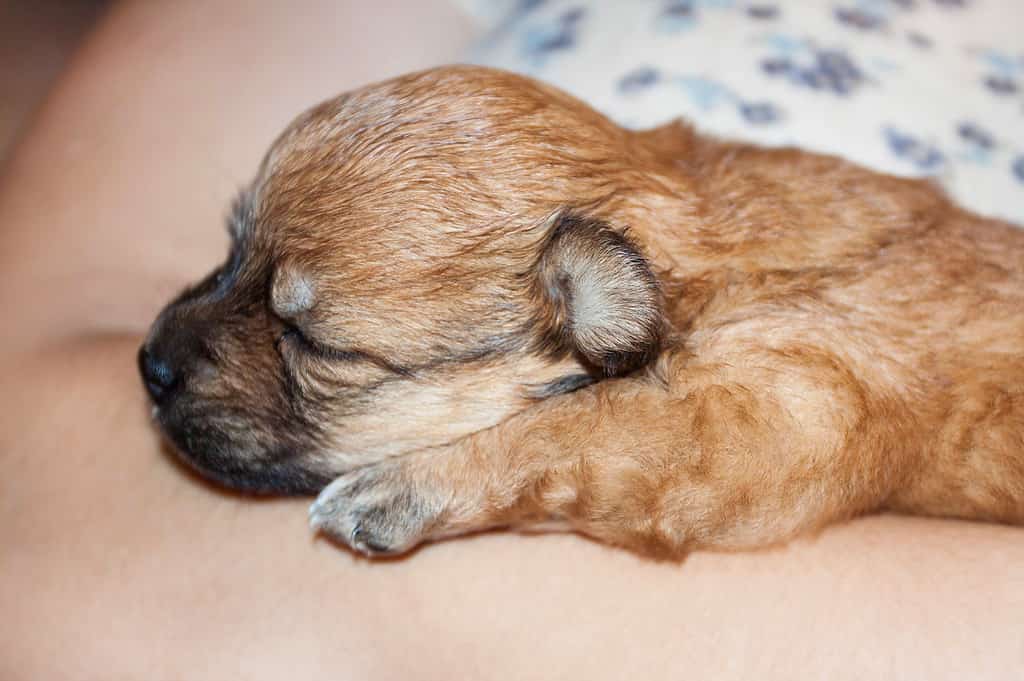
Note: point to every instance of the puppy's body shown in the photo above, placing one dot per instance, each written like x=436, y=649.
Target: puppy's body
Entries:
x=483, y=304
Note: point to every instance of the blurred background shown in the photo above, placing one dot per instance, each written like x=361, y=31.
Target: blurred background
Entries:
x=911, y=87
x=36, y=39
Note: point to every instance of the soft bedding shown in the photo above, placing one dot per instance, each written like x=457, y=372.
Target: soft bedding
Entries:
x=913, y=87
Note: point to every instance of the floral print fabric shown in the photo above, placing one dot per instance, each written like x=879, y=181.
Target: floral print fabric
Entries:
x=912, y=87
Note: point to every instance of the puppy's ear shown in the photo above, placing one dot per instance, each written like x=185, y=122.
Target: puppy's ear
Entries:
x=599, y=296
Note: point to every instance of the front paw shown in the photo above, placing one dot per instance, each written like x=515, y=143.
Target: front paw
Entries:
x=376, y=510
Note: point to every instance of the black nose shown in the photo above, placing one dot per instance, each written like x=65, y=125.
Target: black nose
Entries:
x=157, y=374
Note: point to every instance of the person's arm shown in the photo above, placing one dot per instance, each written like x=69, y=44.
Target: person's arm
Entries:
x=117, y=563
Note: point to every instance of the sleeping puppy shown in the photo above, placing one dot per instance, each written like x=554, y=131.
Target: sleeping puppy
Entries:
x=462, y=299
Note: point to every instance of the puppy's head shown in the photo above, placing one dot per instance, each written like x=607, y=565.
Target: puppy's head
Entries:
x=414, y=262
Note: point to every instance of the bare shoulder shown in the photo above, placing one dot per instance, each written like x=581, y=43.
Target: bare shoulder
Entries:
x=102, y=530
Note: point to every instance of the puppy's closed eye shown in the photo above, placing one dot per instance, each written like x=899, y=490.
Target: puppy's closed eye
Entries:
x=294, y=336
x=292, y=296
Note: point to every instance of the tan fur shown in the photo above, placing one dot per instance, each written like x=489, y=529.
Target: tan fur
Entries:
x=777, y=339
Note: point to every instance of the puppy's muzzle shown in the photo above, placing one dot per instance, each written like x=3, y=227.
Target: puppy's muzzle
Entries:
x=170, y=358
x=160, y=377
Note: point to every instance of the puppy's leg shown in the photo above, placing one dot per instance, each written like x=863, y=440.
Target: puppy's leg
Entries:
x=974, y=465
x=656, y=466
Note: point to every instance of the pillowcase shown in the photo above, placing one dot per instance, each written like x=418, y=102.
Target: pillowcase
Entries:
x=911, y=87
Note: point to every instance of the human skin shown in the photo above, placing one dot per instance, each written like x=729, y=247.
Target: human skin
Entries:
x=117, y=563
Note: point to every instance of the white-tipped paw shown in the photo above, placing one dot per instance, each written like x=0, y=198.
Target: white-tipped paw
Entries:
x=375, y=510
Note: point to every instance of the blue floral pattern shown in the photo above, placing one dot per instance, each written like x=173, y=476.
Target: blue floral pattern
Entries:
x=913, y=87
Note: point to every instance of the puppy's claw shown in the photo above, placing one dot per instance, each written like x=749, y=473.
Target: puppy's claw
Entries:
x=316, y=520
x=316, y=508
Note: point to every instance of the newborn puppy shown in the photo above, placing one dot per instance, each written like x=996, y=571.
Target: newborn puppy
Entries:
x=471, y=301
